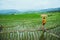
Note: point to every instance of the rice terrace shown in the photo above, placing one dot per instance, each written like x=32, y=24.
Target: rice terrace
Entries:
x=29, y=19
x=29, y=26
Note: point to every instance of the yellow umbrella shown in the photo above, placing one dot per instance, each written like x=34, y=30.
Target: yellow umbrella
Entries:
x=43, y=15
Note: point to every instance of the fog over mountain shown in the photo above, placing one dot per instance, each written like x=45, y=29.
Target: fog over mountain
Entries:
x=12, y=11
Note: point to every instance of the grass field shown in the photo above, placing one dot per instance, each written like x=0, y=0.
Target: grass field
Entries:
x=29, y=21
x=14, y=20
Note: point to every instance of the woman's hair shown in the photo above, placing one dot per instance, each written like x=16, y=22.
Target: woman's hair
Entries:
x=43, y=17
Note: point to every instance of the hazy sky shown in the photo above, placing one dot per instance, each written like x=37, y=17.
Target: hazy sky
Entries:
x=29, y=4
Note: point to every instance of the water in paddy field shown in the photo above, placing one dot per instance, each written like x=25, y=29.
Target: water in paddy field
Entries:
x=21, y=25
x=20, y=35
x=28, y=35
x=36, y=35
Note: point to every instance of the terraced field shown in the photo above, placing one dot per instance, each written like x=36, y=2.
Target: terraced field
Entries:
x=18, y=27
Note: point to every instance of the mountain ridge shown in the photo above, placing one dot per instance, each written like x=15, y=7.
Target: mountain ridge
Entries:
x=12, y=11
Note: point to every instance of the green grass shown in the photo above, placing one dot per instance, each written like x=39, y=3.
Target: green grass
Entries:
x=29, y=21
x=35, y=19
x=20, y=17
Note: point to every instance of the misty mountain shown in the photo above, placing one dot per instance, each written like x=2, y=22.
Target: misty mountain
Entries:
x=10, y=11
x=51, y=10
x=13, y=11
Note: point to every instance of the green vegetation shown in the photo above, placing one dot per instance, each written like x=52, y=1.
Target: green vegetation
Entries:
x=30, y=21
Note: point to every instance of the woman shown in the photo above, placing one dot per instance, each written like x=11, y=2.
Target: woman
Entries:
x=43, y=23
